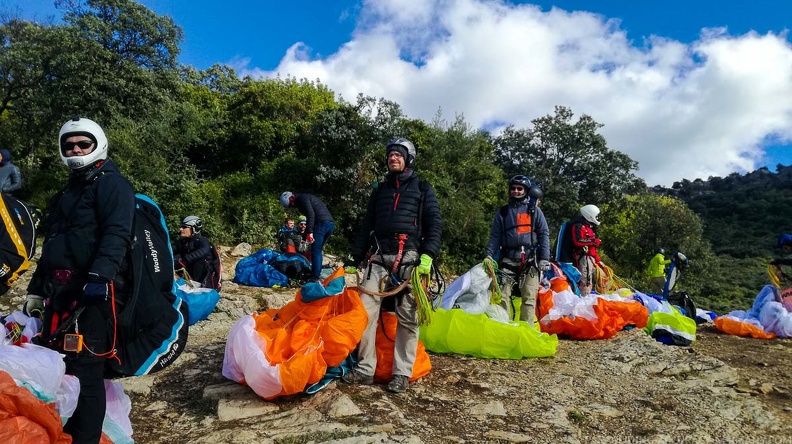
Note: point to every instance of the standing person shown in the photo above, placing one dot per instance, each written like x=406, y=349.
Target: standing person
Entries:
x=83, y=268
x=656, y=271
x=10, y=177
x=318, y=228
x=585, y=243
x=193, y=252
x=521, y=239
x=404, y=217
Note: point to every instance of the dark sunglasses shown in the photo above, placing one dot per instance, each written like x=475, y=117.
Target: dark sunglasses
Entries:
x=185, y=226
x=518, y=188
x=83, y=144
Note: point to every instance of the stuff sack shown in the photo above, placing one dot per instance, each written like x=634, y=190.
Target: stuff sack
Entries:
x=152, y=322
x=17, y=240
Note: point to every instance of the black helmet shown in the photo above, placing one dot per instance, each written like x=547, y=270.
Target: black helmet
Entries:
x=520, y=180
x=660, y=251
x=523, y=181
x=535, y=191
x=405, y=147
x=194, y=222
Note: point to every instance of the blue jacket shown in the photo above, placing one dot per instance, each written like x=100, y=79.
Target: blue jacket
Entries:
x=519, y=225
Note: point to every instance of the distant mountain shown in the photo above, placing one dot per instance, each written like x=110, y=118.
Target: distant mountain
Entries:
x=742, y=214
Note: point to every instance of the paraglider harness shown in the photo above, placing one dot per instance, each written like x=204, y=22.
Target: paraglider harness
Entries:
x=527, y=256
x=679, y=298
x=397, y=283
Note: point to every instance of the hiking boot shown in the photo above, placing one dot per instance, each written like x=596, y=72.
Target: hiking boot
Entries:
x=356, y=377
x=398, y=384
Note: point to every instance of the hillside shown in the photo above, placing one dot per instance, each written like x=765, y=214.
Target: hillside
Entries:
x=627, y=388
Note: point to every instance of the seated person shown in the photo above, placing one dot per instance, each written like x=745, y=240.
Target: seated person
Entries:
x=288, y=237
x=192, y=253
x=304, y=246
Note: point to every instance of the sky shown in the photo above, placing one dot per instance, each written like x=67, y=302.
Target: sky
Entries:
x=689, y=89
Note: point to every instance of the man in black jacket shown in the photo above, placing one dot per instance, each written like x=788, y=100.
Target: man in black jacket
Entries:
x=82, y=267
x=404, y=217
x=319, y=227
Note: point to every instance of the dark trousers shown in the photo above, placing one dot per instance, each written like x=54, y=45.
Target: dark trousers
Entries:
x=85, y=425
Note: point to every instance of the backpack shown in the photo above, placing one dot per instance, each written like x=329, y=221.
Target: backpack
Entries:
x=564, y=248
x=17, y=240
x=152, y=325
x=215, y=277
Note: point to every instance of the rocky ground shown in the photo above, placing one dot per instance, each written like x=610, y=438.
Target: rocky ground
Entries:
x=629, y=388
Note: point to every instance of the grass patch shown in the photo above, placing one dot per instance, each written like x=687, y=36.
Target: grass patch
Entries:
x=576, y=416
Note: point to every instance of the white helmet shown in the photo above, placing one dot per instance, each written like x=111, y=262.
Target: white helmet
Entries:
x=590, y=213
x=285, y=198
x=194, y=222
x=78, y=126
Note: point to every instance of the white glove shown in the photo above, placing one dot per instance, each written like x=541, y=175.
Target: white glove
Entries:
x=544, y=265
x=34, y=306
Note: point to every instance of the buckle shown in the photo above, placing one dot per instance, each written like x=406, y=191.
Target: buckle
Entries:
x=62, y=276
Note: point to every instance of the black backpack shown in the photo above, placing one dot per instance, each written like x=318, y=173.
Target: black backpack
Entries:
x=152, y=322
x=214, y=279
x=17, y=240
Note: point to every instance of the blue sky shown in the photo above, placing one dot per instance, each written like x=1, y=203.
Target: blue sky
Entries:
x=688, y=88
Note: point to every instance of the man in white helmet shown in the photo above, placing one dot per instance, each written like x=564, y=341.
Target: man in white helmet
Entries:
x=192, y=253
x=82, y=270
x=585, y=243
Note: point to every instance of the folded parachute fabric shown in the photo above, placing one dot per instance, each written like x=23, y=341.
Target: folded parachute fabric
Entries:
x=766, y=319
x=467, y=323
x=24, y=418
x=591, y=317
x=455, y=331
x=386, y=334
x=200, y=301
x=283, y=351
x=257, y=270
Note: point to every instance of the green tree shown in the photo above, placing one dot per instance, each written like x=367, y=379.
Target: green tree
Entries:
x=645, y=222
x=570, y=159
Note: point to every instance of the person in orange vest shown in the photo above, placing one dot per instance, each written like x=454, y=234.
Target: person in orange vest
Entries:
x=521, y=240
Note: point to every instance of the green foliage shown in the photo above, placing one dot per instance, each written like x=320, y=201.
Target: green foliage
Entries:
x=571, y=161
x=645, y=222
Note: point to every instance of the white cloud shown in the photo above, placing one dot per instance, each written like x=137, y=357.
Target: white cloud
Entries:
x=681, y=111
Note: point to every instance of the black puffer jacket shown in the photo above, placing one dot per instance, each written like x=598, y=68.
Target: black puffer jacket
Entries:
x=191, y=249
x=396, y=208
x=90, y=228
x=314, y=210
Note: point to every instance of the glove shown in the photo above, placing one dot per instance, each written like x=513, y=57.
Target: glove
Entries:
x=425, y=266
x=544, y=265
x=309, y=237
x=34, y=306
x=597, y=242
x=350, y=265
x=96, y=290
